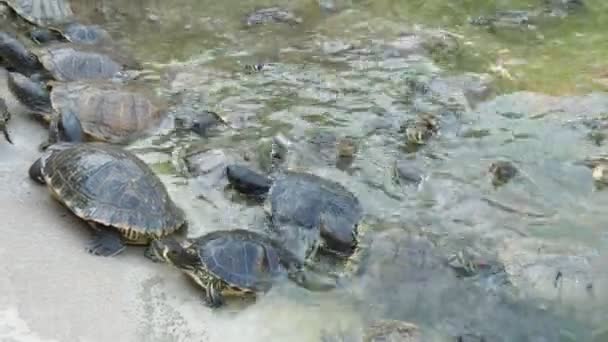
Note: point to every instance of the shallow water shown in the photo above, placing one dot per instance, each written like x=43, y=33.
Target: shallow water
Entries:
x=359, y=70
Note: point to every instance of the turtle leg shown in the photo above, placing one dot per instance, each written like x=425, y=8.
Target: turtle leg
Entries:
x=151, y=255
x=213, y=295
x=71, y=127
x=53, y=134
x=105, y=242
x=35, y=172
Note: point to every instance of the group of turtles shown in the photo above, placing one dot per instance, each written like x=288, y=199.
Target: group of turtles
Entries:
x=75, y=80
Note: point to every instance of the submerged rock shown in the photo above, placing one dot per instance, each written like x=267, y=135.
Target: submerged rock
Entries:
x=548, y=270
x=272, y=15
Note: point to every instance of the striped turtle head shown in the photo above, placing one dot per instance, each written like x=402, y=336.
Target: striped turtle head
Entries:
x=171, y=251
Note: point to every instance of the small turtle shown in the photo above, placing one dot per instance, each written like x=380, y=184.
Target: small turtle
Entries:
x=5, y=116
x=306, y=211
x=106, y=111
x=421, y=129
x=113, y=190
x=502, y=172
x=272, y=15
x=230, y=262
x=599, y=169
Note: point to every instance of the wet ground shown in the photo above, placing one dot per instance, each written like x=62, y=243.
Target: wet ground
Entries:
x=527, y=94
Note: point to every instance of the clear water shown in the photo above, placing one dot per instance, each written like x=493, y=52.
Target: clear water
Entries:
x=340, y=74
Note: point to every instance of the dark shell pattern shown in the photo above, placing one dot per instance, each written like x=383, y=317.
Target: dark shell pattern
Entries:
x=107, y=111
x=43, y=12
x=310, y=201
x=110, y=186
x=241, y=258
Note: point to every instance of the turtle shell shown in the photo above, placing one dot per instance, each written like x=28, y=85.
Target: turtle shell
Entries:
x=242, y=258
x=67, y=62
x=85, y=34
x=107, y=185
x=311, y=202
x=108, y=111
x=43, y=12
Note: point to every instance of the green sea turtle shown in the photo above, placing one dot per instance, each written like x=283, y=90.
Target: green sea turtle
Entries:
x=118, y=194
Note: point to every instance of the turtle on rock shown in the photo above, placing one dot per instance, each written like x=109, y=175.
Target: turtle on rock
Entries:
x=118, y=194
x=101, y=110
x=233, y=263
x=5, y=116
x=306, y=211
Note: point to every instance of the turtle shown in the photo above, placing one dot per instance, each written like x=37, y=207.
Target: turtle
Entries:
x=53, y=20
x=107, y=111
x=502, y=172
x=73, y=32
x=235, y=262
x=45, y=13
x=118, y=194
x=419, y=130
x=15, y=56
x=66, y=62
x=5, y=116
x=306, y=211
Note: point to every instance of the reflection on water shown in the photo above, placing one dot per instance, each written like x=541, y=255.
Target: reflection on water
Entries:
x=358, y=69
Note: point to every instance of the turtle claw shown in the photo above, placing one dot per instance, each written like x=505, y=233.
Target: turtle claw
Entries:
x=213, y=298
x=7, y=136
x=152, y=256
x=105, y=244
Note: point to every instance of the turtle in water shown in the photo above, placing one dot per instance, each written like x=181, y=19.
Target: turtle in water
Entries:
x=106, y=111
x=306, y=211
x=5, y=116
x=502, y=172
x=118, y=194
x=419, y=130
x=232, y=262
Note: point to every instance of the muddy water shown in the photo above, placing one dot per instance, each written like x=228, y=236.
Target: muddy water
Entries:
x=352, y=69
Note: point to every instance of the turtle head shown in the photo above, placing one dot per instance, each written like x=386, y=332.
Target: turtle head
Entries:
x=169, y=250
x=35, y=171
